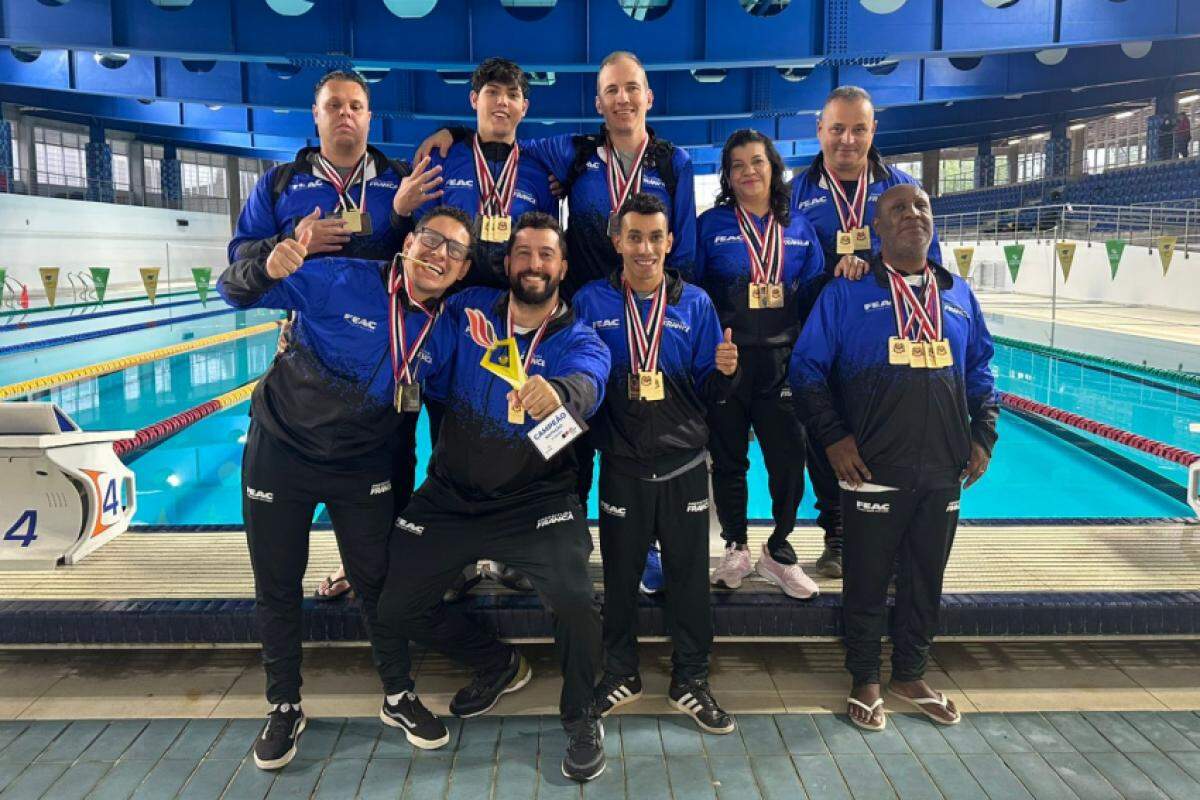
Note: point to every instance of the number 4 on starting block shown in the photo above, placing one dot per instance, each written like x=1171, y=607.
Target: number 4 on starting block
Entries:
x=28, y=522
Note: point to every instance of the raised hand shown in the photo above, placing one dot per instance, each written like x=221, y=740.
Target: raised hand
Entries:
x=727, y=354
x=288, y=256
x=418, y=188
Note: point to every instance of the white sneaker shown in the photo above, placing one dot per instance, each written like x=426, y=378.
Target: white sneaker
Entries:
x=788, y=577
x=734, y=567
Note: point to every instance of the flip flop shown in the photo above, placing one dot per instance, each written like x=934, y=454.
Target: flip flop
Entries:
x=327, y=583
x=921, y=703
x=870, y=709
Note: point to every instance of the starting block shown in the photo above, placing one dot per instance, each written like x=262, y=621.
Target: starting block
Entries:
x=64, y=493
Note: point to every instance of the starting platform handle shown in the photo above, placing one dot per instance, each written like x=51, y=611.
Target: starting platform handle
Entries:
x=1193, y=487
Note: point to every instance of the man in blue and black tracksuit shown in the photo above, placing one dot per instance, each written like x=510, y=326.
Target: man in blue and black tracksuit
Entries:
x=324, y=425
x=491, y=492
x=670, y=361
x=838, y=194
x=891, y=378
x=490, y=175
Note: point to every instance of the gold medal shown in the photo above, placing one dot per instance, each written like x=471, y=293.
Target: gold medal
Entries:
x=352, y=219
x=774, y=295
x=756, y=295
x=930, y=358
x=861, y=238
x=408, y=398
x=898, y=351
x=649, y=386
x=942, y=354
x=845, y=243
x=916, y=355
x=495, y=228
x=516, y=414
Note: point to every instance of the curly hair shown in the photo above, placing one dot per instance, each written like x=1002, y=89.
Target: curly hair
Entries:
x=781, y=195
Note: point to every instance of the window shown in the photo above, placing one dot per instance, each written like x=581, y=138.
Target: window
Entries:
x=706, y=188
x=1118, y=140
x=203, y=174
x=133, y=383
x=1031, y=166
x=16, y=154
x=152, y=156
x=956, y=172
x=209, y=368
x=162, y=377
x=248, y=175
x=61, y=160
x=120, y=164
x=1001, y=170
x=909, y=162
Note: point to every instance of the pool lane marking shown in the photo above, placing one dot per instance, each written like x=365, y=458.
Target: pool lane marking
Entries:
x=151, y=435
x=39, y=323
x=59, y=341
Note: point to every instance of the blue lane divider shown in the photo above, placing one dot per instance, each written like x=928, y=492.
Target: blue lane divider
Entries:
x=37, y=323
x=25, y=347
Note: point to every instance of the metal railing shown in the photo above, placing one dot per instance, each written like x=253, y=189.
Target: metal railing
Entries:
x=1142, y=225
x=76, y=187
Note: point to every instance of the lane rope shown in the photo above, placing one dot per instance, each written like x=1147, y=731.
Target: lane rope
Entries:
x=21, y=312
x=1128, y=366
x=117, y=364
x=39, y=323
x=59, y=341
x=128, y=449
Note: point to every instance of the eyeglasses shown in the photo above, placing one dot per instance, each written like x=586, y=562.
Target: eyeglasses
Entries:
x=456, y=251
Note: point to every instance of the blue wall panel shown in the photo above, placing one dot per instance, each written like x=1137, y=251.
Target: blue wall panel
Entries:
x=908, y=29
x=676, y=36
x=440, y=37
x=945, y=81
x=560, y=36
x=900, y=85
x=1189, y=18
x=678, y=94
x=287, y=146
x=295, y=124
x=733, y=34
x=134, y=78
x=265, y=87
x=82, y=22
x=1105, y=20
x=49, y=70
x=258, y=29
x=161, y=112
x=229, y=118
x=220, y=84
x=202, y=26
x=805, y=95
x=973, y=25
x=572, y=95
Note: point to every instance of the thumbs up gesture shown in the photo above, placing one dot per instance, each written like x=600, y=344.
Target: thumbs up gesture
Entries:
x=727, y=354
x=288, y=256
x=327, y=235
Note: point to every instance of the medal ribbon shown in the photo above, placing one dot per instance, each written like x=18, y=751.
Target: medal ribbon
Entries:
x=496, y=194
x=537, y=336
x=645, y=340
x=402, y=357
x=851, y=215
x=766, y=253
x=621, y=186
x=330, y=173
x=926, y=318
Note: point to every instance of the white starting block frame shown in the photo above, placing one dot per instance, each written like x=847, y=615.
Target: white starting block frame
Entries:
x=64, y=493
x=1193, y=488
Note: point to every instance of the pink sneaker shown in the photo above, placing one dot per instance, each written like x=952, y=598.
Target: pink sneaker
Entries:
x=734, y=567
x=790, y=578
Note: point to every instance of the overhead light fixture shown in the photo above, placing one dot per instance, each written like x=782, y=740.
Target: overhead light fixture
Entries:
x=1013, y=142
x=1191, y=98
x=1124, y=115
x=1077, y=126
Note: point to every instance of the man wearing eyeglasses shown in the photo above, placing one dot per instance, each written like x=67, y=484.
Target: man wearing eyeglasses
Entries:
x=324, y=423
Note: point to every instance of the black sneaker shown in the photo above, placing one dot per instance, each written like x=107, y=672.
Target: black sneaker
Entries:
x=830, y=562
x=421, y=726
x=614, y=692
x=277, y=744
x=481, y=695
x=695, y=699
x=585, y=759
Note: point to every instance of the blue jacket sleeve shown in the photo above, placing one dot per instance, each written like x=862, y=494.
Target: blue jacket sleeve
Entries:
x=440, y=345
x=246, y=284
x=581, y=376
x=683, y=217
x=556, y=153
x=982, y=402
x=257, y=232
x=811, y=370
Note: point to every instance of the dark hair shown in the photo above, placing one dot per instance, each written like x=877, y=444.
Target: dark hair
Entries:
x=342, y=75
x=501, y=71
x=538, y=221
x=642, y=203
x=456, y=214
x=781, y=195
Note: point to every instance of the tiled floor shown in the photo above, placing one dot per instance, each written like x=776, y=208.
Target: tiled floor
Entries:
x=1044, y=720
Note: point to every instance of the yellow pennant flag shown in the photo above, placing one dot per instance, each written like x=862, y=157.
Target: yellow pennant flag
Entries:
x=963, y=256
x=1166, y=250
x=150, y=281
x=503, y=360
x=1066, y=254
x=49, y=276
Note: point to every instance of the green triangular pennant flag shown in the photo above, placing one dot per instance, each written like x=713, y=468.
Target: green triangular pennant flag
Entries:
x=3, y=272
x=100, y=278
x=1013, y=253
x=202, y=276
x=1115, y=248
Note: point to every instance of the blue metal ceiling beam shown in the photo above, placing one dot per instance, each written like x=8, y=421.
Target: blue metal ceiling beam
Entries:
x=574, y=35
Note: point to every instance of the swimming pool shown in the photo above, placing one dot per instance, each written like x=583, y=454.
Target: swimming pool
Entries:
x=1039, y=473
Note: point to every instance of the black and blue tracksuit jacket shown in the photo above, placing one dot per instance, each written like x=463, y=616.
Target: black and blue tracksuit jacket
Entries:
x=650, y=439
x=913, y=427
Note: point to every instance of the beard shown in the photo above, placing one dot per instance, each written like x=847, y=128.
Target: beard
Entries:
x=533, y=297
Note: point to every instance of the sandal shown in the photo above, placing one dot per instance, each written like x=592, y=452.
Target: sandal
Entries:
x=921, y=704
x=870, y=709
x=331, y=588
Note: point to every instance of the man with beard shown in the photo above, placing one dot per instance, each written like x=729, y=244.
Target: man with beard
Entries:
x=891, y=378
x=492, y=492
